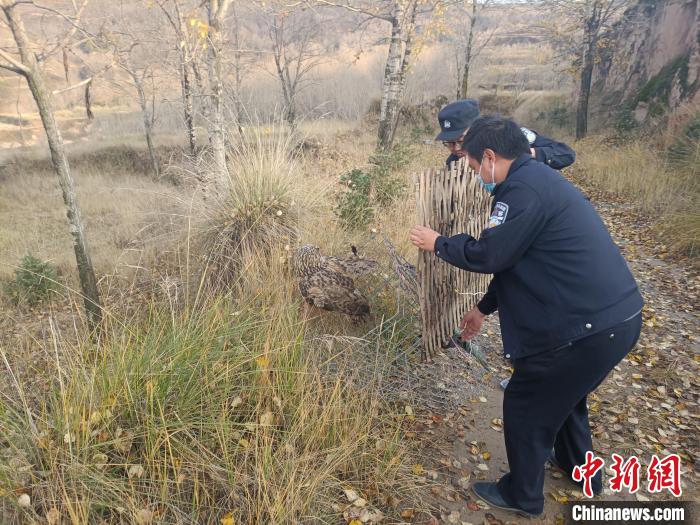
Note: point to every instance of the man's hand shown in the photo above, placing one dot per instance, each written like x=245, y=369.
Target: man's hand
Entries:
x=424, y=238
x=471, y=323
x=533, y=152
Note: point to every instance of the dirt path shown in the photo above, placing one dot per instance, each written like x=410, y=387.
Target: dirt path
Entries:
x=648, y=405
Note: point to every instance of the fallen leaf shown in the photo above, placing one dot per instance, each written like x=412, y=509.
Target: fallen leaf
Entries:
x=227, y=519
x=135, y=471
x=351, y=495
x=267, y=418
x=53, y=516
x=144, y=517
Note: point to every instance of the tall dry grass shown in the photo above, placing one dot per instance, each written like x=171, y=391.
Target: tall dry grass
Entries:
x=659, y=180
x=234, y=406
x=193, y=417
x=631, y=169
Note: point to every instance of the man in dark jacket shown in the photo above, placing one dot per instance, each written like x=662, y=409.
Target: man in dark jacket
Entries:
x=568, y=305
x=456, y=117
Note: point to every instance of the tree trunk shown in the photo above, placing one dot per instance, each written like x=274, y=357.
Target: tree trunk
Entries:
x=217, y=139
x=237, y=67
x=584, y=95
x=588, y=58
x=42, y=97
x=187, y=101
x=389, y=105
x=464, y=87
x=147, y=119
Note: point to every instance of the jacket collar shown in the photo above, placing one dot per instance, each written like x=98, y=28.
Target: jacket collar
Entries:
x=515, y=166
x=518, y=163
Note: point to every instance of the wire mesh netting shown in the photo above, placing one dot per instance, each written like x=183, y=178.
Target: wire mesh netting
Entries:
x=411, y=352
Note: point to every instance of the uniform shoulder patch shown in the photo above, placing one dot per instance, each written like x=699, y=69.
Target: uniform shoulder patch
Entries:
x=530, y=135
x=499, y=214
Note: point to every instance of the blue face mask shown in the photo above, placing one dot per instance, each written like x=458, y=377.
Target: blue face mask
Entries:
x=488, y=186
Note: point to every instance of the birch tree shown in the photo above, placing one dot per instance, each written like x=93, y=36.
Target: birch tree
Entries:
x=185, y=39
x=579, y=37
x=24, y=60
x=139, y=76
x=404, y=18
x=470, y=43
x=216, y=12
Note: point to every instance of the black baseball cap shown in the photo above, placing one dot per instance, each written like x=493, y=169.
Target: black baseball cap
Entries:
x=456, y=117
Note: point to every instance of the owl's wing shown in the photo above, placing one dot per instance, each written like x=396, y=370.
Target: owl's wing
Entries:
x=335, y=292
x=350, y=266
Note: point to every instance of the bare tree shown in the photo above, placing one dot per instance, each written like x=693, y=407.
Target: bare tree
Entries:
x=404, y=18
x=216, y=11
x=139, y=77
x=295, y=36
x=185, y=45
x=23, y=60
x=579, y=37
x=470, y=43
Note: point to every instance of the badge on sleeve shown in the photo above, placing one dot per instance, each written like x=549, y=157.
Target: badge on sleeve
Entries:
x=500, y=212
x=530, y=135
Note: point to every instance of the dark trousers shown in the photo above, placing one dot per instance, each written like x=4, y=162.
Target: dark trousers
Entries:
x=544, y=406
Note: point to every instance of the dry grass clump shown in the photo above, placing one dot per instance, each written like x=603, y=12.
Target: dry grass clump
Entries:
x=630, y=169
x=198, y=417
x=250, y=213
x=659, y=180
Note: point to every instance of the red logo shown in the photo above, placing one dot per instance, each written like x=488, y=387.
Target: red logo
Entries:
x=586, y=472
x=665, y=474
x=626, y=474
x=661, y=474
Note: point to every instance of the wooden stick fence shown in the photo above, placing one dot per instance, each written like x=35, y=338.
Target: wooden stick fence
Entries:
x=450, y=201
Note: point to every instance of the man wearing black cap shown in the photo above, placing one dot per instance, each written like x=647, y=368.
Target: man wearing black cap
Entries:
x=569, y=307
x=456, y=118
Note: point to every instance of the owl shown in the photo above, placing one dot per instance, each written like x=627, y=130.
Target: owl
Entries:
x=327, y=282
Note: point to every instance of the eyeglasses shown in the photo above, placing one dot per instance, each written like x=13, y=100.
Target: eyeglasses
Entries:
x=453, y=144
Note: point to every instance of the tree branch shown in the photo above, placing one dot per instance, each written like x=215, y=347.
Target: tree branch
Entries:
x=13, y=65
x=83, y=82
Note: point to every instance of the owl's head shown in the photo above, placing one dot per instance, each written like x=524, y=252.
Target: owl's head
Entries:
x=307, y=259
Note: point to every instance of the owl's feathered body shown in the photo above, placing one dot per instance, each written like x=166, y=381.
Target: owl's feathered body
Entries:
x=327, y=282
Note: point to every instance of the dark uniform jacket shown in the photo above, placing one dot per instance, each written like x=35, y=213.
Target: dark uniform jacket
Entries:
x=558, y=275
x=555, y=154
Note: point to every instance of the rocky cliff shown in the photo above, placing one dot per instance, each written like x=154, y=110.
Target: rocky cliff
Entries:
x=654, y=64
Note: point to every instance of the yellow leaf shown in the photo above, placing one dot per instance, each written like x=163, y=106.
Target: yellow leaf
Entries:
x=355, y=522
x=267, y=418
x=227, y=519
x=244, y=442
x=193, y=21
x=486, y=456
x=263, y=361
x=418, y=469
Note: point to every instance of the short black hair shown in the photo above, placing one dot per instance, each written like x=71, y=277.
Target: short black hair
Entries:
x=498, y=133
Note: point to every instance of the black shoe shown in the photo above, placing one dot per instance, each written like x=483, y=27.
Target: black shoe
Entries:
x=552, y=459
x=488, y=492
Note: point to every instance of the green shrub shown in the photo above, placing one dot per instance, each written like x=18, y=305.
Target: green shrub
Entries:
x=354, y=209
x=625, y=124
x=684, y=152
x=366, y=190
x=35, y=281
x=558, y=116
